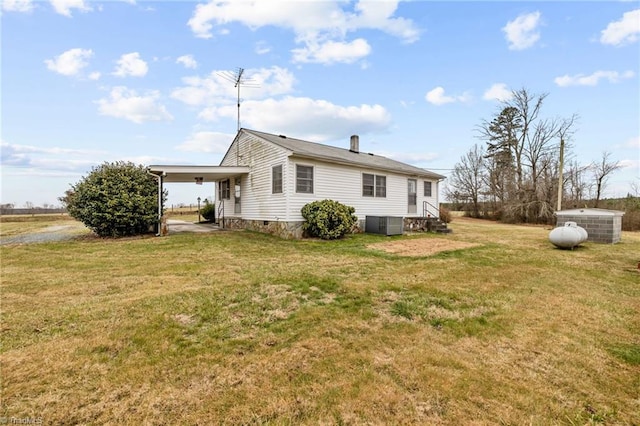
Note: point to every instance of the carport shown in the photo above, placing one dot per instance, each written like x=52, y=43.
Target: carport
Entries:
x=189, y=174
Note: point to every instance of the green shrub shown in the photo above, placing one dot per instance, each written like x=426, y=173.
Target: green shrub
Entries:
x=328, y=219
x=115, y=200
x=208, y=212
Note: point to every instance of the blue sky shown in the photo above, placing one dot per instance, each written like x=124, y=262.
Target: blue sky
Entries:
x=86, y=82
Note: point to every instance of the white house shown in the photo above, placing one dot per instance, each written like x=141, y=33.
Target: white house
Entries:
x=264, y=180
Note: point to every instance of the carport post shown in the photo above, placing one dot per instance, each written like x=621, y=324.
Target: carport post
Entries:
x=162, y=226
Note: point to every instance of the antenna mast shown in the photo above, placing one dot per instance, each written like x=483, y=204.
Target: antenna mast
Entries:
x=238, y=80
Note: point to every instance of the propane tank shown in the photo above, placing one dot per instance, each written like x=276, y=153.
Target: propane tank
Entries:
x=568, y=236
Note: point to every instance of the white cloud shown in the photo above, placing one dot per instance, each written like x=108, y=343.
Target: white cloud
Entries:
x=593, y=79
x=311, y=119
x=626, y=163
x=498, y=92
x=332, y=52
x=63, y=7
x=188, y=61
x=17, y=5
x=54, y=158
x=126, y=103
x=299, y=16
x=315, y=24
x=262, y=47
x=94, y=75
x=71, y=62
x=375, y=14
x=624, y=31
x=521, y=33
x=633, y=142
x=130, y=64
x=436, y=96
x=210, y=142
x=216, y=89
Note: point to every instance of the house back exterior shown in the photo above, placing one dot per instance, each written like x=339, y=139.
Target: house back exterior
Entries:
x=286, y=173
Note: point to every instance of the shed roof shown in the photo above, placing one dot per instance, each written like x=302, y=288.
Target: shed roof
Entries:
x=306, y=149
x=589, y=212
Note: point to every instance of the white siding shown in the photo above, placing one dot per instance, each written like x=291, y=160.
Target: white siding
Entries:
x=257, y=201
x=344, y=184
x=433, y=200
x=331, y=181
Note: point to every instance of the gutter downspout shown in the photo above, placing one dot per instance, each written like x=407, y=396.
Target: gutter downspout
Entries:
x=159, y=178
x=438, y=193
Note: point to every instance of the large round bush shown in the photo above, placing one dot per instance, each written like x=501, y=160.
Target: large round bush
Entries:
x=115, y=200
x=328, y=219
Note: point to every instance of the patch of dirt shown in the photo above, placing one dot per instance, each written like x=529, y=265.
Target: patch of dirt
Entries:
x=184, y=319
x=421, y=246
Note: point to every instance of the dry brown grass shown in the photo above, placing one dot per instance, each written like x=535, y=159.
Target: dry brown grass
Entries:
x=242, y=328
x=421, y=246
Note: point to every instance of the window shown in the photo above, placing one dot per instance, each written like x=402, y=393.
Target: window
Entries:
x=304, y=179
x=374, y=185
x=412, y=186
x=427, y=189
x=381, y=186
x=276, y=179
x=368, y=185
x=225, y=190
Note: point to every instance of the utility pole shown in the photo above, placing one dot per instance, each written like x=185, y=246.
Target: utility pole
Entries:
x=560, y=181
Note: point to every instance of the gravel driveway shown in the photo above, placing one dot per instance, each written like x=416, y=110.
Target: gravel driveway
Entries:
x=68, y=232
x=45, y=235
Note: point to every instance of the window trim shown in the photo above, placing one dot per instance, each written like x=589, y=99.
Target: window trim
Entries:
x=374, y=189
x=274, y=188
x=311, y=180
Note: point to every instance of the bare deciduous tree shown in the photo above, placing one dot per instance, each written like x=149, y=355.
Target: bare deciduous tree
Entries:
x=467, y=179
x=601, y=172
x=523, y=148
x=576, y=183
x=634, y=187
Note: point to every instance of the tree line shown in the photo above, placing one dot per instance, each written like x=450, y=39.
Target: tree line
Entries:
x=515, y=173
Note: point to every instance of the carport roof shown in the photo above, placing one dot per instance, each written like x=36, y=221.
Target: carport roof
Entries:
x=183, y=174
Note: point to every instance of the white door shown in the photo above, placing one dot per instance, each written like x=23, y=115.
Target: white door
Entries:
x=236, y=196
x=412, y=188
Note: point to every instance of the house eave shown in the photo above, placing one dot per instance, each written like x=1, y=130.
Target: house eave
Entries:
x=184, y=174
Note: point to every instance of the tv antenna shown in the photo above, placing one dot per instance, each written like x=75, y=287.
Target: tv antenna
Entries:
x=238, y=79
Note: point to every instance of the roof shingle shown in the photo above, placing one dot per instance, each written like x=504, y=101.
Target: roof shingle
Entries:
x=302, y=148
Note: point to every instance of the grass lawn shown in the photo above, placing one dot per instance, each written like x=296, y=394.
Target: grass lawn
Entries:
x=244, y=328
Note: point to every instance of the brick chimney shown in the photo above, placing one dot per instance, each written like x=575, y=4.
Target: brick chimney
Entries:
x=355, y=144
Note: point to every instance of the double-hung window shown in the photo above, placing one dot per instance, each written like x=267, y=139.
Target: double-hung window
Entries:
x=276, y=179
x=381, y=186
x=427, y=189
x=374, y=185
x=224, y=190
x=304, y=179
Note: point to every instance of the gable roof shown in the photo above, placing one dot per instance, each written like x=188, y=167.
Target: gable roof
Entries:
x=312, y=150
